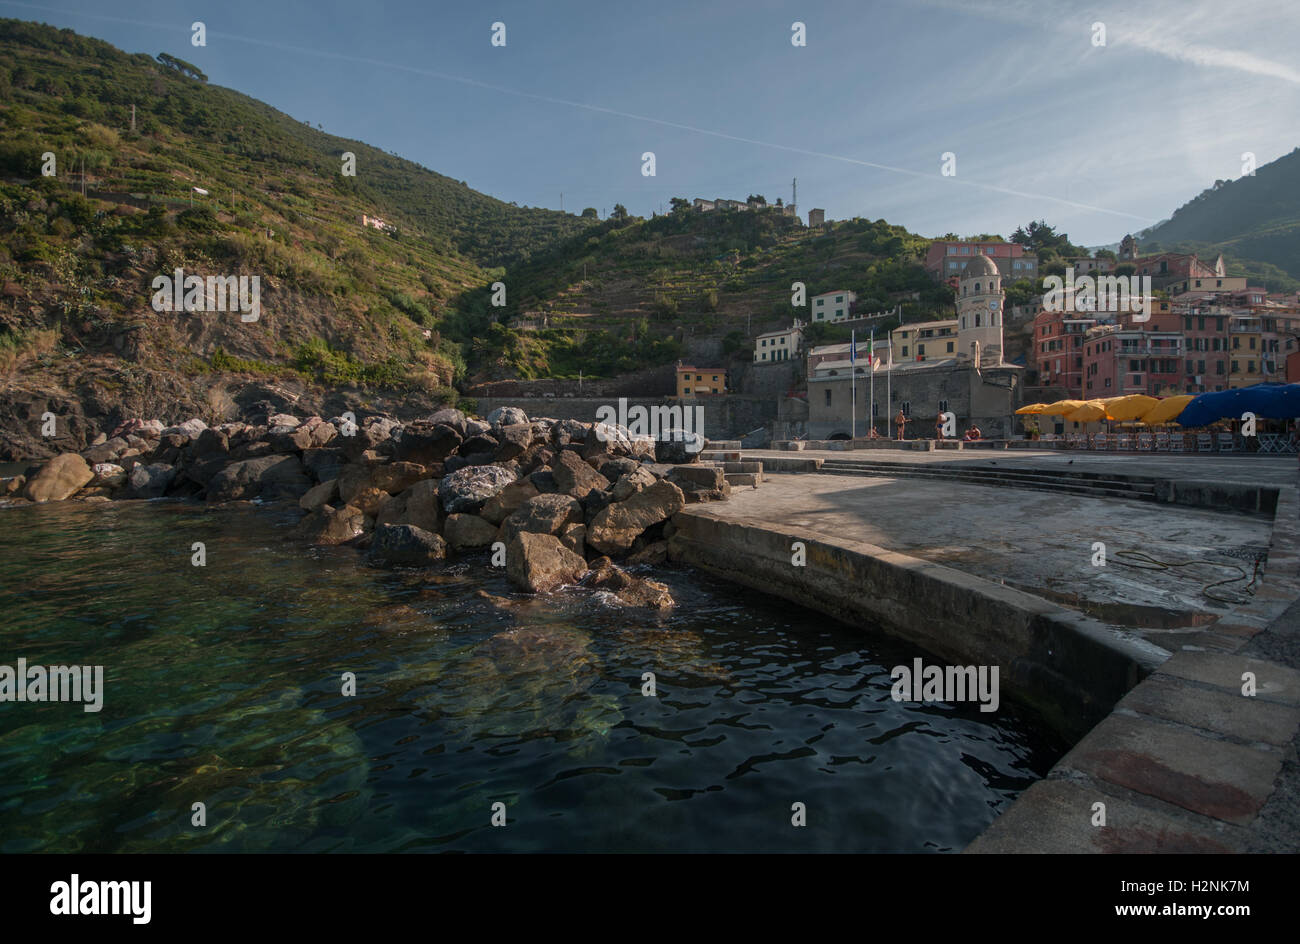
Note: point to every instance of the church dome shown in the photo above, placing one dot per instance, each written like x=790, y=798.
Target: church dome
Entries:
x=980, y=265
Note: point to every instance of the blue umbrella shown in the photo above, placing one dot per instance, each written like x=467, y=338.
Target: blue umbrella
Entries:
x=1266, y=401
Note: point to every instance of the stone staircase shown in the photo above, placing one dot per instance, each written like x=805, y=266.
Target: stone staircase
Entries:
x=1096, y=484
x=736, y=470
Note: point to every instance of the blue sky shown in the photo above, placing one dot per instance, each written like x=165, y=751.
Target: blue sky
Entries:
x=1099, y=141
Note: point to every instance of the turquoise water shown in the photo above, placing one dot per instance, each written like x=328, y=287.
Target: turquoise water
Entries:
x=223, y=686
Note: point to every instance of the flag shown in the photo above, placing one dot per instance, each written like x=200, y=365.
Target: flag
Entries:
x=853, y=347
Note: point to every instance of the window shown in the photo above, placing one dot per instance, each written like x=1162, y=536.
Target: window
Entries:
x=907, y=408
x=949, y=347
x=1252, y=343
x=920, y=350
x=904, y=350
x=1250, y=367
x=1218, y=324
x=1200, y=367
x=820, y=302
x=1134, y=365
x=828, y=396
x=838, y=299
x=1107, y=381
x=1235, y=368
x=1191, y=368
x=943, y=406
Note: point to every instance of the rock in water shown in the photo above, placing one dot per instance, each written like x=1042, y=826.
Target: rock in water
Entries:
x=59, y=478
x=326, y=526
x=539, y=562
x=615, y=527
x=468, y=531
x=634, y=591
x=407, y=545
x=543, y=514
x=151, y=481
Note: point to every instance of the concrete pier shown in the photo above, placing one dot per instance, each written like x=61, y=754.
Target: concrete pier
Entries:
x=1133, y=660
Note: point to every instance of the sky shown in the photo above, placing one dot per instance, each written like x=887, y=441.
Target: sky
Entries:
x=1043, y=122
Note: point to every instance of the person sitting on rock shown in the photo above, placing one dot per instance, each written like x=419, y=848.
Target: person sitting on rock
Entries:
x=973, y=434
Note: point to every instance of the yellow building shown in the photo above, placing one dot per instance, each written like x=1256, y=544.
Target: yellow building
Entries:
x=701, y=381
x=924, y=341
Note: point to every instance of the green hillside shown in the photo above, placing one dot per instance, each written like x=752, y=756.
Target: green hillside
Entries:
x=1254, y=221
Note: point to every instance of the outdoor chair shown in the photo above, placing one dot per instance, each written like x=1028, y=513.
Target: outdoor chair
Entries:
x=1177, y=443
x=1162, y=442
x=1227, y=443
x=1145, y=442
x=1204, y=442
x=1101, y=441
x=1125, y=442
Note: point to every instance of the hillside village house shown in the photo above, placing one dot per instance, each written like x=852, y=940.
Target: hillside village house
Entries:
x=701, y=381
x=783, y=345
x=946, y=259
x=830, y=307
x=375, y=222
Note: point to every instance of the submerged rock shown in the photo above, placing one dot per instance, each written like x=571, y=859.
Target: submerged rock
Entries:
x=634, y=591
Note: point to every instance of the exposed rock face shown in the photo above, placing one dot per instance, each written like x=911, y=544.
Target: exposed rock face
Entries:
x=655, y=553
x=544, y=514
x=575, y=477
x=503, y=503
x=271, y=476
x=615, y=527
x=58, y=479
x=327, y=526
x=465, y=532
x=634, y=591
x=407, y=545
x=150, y=481
x=700, y=482
x=468, y=489
x=539, y=563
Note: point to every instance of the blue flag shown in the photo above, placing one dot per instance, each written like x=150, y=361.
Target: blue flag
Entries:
x=853, y=347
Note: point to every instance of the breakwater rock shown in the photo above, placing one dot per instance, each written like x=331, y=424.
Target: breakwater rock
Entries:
x=551, y=500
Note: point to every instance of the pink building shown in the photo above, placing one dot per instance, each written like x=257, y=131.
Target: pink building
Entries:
x=1127, y=357
x=945, y=259
x=1057, y=350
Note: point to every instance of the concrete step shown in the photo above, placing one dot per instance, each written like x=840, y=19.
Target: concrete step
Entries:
x=720, y=455
x=727, y=444
x=1081, y=483
x=735, y=479
x=751, y=465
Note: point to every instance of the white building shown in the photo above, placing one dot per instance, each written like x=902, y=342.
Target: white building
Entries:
x=979, y=312
x=774, y=346
x=830, y=307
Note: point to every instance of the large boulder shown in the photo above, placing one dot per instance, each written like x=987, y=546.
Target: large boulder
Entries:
x=539, y=563
x=615, y=527
x=323, y=464
x=426, y=442
x=407, y=545
x=110, y=450
x=150, y=481
x=700, y=482
x=564, y=432
x=634, y=591
x=396, y=477
x=545, y=514
x=514, y=440
x=677, y=446
x=418, y=505
x=464, y=532
x=319, y=495
x=274, y=476
x=329, y=526
x=506, y=416
x=576, y=477
x=468, y=489
x=108, y=475
x=59, y=478
x=449, y=417
x=633, y=482
x=499, y=507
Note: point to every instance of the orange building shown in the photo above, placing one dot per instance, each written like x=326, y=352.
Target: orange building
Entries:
x=701, y=381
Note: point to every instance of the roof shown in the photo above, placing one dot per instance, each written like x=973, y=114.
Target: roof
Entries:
x=714, y=370
x=979, y=265
x=834, y=291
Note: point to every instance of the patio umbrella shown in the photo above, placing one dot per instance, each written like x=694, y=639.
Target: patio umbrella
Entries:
x=1061, y=407
x=1267, y=401
x=1132, y=407
x=1089, y=412
x=1167, y=410
x=1032, y=409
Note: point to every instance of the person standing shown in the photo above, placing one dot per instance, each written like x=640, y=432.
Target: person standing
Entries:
x=938, y=427
x=899, y=422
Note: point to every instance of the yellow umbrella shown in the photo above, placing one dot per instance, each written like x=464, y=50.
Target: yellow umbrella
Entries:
x=1132, y=407
x=1033, y=408
x=1089, y=412
x=1167, y=410
x=1061, y=407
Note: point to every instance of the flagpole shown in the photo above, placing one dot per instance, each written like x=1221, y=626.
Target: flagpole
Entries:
x=889, y=376
x=853, y=387
x=871, y=361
